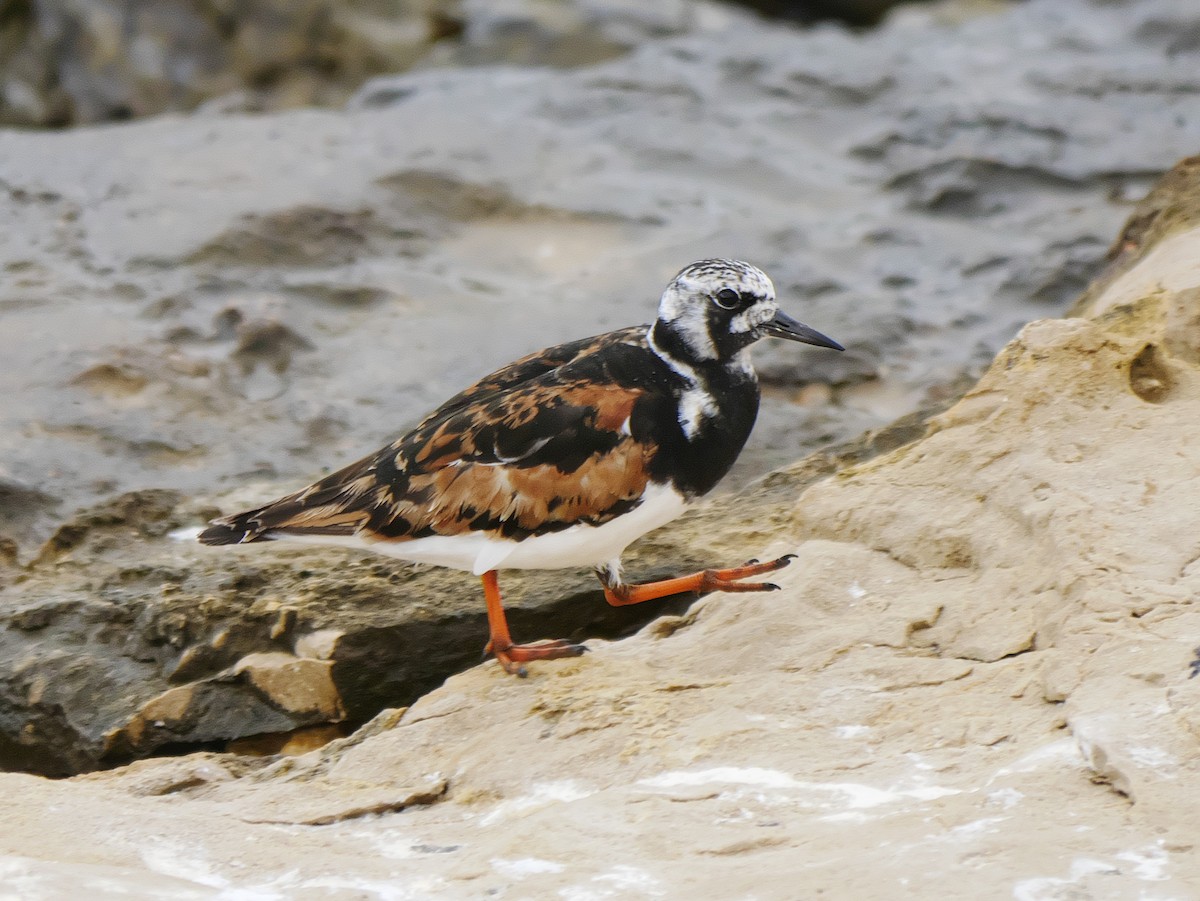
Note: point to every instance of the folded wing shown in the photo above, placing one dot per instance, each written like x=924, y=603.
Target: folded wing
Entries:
x=557, y=452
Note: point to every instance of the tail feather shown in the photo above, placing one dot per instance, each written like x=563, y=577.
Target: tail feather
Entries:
x=328, y=507
x=237, y=529
x=292, y=515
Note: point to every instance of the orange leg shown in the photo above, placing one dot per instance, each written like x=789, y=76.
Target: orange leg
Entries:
x=500, y=644
x=619, y=593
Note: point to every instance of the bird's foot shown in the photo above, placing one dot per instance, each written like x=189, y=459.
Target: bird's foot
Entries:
x=620, y=594
x=730, y=579
x=511, y=656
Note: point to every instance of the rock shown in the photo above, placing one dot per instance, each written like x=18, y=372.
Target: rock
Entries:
x=225, y=305
x=88, y=61
x=579, y=33
x=296, y=684
x=979, y=660
x=21, y=505
x=207, y=649
x=910, y=203
x=97, y=60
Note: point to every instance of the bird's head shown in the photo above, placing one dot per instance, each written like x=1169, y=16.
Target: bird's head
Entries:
x=714, y=309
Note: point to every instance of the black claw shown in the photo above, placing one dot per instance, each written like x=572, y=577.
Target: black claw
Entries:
x=786, y=559
x=582, y=649
x=521, y=672
x=770, y=586
x=751, y=561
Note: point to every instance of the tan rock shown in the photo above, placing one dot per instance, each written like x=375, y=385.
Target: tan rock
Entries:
x=162, y=711
x=297, y=685
x=449, y=221
x=978, y=664
x=974, y=682
x=319, y=645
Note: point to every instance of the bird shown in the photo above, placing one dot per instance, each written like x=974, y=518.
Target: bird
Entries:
x=564, y=457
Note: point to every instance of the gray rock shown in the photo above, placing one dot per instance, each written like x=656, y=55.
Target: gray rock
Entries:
x=978, y=670
x=85, y=61
x=76, y=61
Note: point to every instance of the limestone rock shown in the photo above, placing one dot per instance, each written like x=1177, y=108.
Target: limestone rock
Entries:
x=296, y=684
x=123, y=641
x=979, y=664
x=227, y=304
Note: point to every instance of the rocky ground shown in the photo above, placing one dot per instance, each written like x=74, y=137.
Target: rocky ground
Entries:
x=979, y=665
x=979, y=662
x=72, y=62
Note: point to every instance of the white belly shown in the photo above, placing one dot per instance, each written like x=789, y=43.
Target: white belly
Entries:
x=576, y=546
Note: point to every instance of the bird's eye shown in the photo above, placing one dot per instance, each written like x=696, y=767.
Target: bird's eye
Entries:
x=727, y=299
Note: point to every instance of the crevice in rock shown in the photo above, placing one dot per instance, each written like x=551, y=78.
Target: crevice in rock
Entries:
x=339, y=811
x=1149, y=376
x=394, y=666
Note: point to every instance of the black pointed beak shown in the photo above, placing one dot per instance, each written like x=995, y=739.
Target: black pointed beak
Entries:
x=784, y=326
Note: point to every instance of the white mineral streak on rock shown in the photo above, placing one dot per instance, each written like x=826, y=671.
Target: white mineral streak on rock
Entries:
x=541, y=795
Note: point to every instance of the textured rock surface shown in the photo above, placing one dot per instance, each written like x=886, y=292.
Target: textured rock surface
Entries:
x=225, y=305
x=86, y=61
x=975, y=681
x=975, y=684
x=215, y=302
x=78, y=61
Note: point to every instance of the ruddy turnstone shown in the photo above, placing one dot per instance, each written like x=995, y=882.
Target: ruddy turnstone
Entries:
x=564, y=457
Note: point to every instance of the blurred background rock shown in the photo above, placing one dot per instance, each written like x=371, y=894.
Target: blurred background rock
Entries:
x=68, y=62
